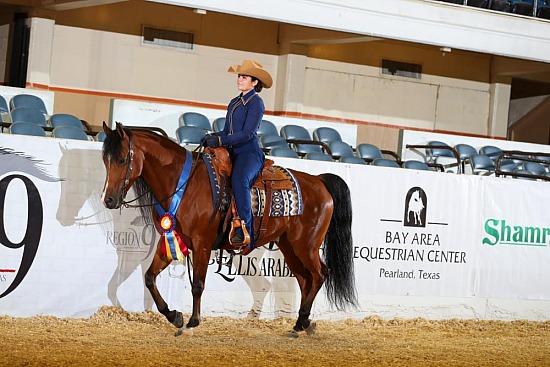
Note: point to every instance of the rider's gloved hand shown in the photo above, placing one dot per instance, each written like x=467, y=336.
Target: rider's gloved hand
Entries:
x=211, y=141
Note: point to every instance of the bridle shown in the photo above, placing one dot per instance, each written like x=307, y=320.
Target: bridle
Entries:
x=130, y=159
x=126, y=187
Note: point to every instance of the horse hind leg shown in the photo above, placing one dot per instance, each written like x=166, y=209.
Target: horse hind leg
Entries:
x=158, y=264
x=310, y=274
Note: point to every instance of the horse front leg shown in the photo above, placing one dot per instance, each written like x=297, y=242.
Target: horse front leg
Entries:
x=200, y=267
x=159, y=263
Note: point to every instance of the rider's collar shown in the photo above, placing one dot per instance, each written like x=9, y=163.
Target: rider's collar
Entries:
x=247, y=97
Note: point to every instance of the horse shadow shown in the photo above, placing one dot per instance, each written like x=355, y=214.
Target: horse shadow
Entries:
x=132, y=236
x=261, y=286
x=265, y=273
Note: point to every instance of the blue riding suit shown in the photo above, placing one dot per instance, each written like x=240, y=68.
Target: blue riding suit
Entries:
x=244, y=114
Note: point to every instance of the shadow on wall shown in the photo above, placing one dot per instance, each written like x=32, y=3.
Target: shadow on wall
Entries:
x=132, y=236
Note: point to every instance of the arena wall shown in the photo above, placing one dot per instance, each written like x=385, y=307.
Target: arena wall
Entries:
x=319, y=74
x=479, y=247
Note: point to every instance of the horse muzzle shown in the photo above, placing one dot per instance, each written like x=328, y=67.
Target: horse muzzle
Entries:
x=111, y=202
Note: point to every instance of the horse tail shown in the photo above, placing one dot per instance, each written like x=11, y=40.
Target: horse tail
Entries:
x=338, y=246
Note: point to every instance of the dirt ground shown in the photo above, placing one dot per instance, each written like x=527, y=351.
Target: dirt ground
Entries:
x=114, y=337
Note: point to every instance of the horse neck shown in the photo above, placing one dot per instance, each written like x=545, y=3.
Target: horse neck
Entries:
x=162, y=166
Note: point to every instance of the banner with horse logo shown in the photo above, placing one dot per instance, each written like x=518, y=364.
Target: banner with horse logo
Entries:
x=420, y=238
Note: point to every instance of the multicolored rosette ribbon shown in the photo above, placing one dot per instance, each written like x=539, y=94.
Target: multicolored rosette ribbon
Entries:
x=174, y=247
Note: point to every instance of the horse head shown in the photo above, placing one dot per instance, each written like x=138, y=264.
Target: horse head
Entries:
x=415, y=203
x=123, y=165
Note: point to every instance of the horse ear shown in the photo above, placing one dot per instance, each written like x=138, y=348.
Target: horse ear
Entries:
x=120, y=129
x=106, y=128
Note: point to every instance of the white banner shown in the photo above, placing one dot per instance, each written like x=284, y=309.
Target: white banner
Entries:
x=420, y=238
x=514, y=251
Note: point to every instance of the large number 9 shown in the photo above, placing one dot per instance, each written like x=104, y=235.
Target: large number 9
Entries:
x=34, y=228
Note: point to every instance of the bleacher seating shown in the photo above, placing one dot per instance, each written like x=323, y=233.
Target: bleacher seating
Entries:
x=385, y=162
x=100, y=136
x=506, y=166
x=189, y=135
x=465, y=151
x=195, y=119
x=535, y=168
x=543, y=11
x=269, y=141
x=28, y=100
x=491, y=151
x=417, y=165
x=65, y=119
x=283, y=151
x=441, y=153
x=300, y=140
x=478, y=3
x=3, y=105
x=218, y=124
x=520, y=7
x=69, y=132
x=318, y=157
x=482, y=164
x=369, y=152
x=523, y=174
x=352, y=160
x=326, y=134
x=267, y=128
x=28, y=114
x=340, y=149
x=26, y=128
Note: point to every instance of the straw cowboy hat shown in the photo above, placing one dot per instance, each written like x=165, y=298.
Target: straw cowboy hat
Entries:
x=253, y=68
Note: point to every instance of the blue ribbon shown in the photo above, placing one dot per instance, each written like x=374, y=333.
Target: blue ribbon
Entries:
x=176, y=199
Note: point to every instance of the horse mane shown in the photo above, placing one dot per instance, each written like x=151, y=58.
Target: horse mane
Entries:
x=112, y=146
x=145, y=199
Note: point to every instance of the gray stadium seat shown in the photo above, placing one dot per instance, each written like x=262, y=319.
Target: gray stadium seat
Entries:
x=65, y=119
x=28, y=114
x=267, y=128
x=195, y=119
x=26, y=128
x=218, y=124
x=69, y=132
x=28, y=100
x=189, y=135
x=281, y=151
x=318, y=156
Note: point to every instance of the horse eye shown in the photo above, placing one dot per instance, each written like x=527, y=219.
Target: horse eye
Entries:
x=122, y=161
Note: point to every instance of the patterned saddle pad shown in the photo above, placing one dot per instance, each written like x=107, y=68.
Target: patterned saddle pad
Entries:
x=284, y=202
x=286, y=197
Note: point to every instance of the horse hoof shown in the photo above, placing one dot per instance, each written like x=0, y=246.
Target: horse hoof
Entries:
x=312, y=328
x=187, y=331
x=293, y=334
x=178, y=320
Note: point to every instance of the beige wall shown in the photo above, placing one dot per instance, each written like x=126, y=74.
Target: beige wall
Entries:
x=96, y=54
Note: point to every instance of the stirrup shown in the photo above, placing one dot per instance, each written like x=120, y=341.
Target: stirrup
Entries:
x=237, y=239
x=234, y=238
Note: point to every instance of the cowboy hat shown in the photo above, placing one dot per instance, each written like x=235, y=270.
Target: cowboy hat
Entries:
x=252, y=68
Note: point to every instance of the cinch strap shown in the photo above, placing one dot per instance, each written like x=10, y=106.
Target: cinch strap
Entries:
x=174, y=246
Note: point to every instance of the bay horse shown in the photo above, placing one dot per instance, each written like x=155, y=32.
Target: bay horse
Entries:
x=153, y=163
